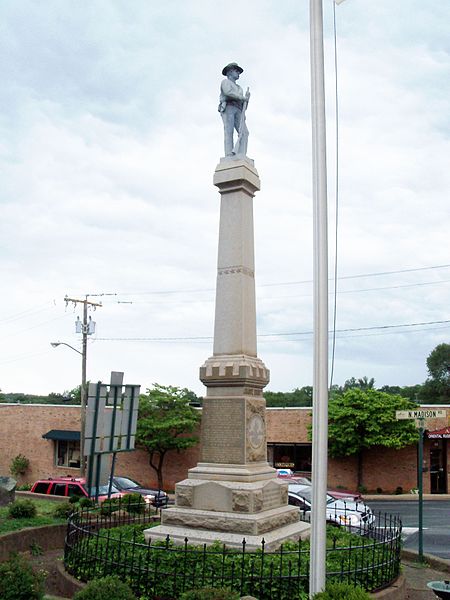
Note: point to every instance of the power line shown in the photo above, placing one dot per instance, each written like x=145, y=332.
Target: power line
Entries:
x=301, y=282
x=305, y=295
x=360, y=275
x=29, y=312
x=357, y=291
x=279, y=334
x=34, y=326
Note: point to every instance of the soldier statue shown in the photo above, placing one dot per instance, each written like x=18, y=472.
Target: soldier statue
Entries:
x=232, y=107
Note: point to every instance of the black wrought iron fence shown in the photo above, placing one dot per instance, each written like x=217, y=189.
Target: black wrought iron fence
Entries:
x=102, y=544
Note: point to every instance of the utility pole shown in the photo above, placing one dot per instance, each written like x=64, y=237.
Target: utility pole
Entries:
x=86, y=328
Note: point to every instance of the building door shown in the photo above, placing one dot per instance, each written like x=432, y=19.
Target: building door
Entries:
x=438, y=467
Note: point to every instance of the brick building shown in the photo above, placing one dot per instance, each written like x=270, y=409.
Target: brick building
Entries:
x=48, y=435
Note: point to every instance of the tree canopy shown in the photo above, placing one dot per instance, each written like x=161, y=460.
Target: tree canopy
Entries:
x=298, y=397
x=436, y=389
x=360, y=419
x=165, y=421
x=438, y=364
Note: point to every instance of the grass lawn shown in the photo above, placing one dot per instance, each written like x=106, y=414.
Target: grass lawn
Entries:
x=44, y=516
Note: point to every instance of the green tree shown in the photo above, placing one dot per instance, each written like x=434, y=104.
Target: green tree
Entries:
x=298, y=397
x=406, y=391
x=359, y=419
x=165, y=421
x=438, y=364
x=363, y=383
x=436, y=389
x=73, y=396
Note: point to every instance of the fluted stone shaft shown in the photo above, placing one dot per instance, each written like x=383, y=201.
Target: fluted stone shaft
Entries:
x=235, y=318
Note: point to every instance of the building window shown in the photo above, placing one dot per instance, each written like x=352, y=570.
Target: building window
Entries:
x=68, y=454
x=290, y=456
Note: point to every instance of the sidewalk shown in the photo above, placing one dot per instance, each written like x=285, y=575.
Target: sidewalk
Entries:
x=417, y=576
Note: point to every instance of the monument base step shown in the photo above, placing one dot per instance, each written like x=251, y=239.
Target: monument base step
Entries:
x=258, y=471
x=272, y=539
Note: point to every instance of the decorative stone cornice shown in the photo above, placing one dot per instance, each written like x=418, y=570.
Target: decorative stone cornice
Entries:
x=234, y=370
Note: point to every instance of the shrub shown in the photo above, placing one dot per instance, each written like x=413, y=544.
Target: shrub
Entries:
x=342, y=591
x=105, y=589
x=22, y=509
x=26, y=487
x=35, y=549
x=109, y=506
x=379, y=490
x=18, y=581
x=133, y=503
x=86, y=502
x=63, y=510
x=210, y=594
x=399, y=490
x=19, y=465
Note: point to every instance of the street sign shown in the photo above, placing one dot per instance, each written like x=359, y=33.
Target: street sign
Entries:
x=420, y=414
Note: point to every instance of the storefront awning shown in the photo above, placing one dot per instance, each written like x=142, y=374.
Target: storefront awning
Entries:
x=62, y=435
x=439, y=434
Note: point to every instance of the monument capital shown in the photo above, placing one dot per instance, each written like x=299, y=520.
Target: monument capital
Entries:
x=240, y=374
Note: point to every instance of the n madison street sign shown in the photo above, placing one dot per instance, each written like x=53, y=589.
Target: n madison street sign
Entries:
x=420, y=414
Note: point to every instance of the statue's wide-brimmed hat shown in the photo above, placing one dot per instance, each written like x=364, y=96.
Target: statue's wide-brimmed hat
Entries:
x=232, y=66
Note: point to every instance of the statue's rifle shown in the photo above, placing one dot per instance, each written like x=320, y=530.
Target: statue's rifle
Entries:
x=241, y=125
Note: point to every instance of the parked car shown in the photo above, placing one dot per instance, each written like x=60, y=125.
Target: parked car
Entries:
x=285, y=472
x=341, y=512
x=72, y=486
x=355, y=496
x=157, y=498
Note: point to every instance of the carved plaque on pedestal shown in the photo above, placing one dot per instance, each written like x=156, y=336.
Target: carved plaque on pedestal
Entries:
x=222, y=439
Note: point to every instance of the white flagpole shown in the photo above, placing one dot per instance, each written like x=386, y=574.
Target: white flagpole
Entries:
x=320, y=250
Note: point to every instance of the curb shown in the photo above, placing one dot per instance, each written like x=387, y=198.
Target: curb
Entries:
x=47, y=537
x=405, y=497
x=71, y=585
x=440, y=564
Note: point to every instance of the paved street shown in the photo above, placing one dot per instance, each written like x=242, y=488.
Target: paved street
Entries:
x=436, y=523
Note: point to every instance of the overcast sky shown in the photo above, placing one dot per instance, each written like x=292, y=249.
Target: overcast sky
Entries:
x=109, y=137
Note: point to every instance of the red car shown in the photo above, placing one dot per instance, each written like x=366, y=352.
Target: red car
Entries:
x=72, y=486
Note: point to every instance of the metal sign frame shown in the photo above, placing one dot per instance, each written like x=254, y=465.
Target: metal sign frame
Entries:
x=111, y=423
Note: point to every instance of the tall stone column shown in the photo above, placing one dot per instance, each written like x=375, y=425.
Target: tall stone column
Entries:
x=233, y=493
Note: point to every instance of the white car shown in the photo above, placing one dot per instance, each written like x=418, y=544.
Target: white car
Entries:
x=341, y=512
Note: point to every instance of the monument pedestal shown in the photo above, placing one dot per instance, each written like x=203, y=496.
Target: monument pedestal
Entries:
x=233, y=493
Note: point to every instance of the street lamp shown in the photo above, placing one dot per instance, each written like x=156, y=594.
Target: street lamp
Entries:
x=55, y=344
x=83, y=398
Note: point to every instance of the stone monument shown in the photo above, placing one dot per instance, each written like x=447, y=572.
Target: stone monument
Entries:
x=233, y=493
